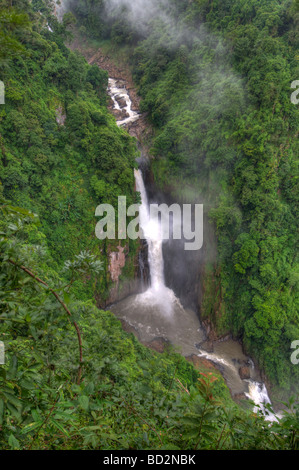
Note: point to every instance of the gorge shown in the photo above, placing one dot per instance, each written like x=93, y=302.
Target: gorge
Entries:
x=157, y=313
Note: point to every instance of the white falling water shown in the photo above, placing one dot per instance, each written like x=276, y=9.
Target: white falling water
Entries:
x=152, y=232
x=158, y=293
x=259, y=395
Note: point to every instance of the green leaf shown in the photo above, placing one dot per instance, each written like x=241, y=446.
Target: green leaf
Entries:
x=36, y=416
x=12, y=371
x=14, y=411
x=27, y=384
x=84, y=402
x=31, y=427
x=12, y=399
x=13, y=442
x=59, y=426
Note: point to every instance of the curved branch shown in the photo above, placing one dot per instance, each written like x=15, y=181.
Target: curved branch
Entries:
x=37, y=279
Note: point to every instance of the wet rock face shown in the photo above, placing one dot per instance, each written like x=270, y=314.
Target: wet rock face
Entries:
x=123, y=288
x=181, y=272
x=144, y=270
x=139, y=129
x=121, y=83
x=120, y=291
x=117, y=263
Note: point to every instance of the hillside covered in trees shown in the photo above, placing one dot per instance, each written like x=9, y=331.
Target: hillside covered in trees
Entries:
x=62, y=152
x=72, y=378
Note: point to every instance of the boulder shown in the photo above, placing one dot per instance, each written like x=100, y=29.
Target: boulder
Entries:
x=117, y=113
x=244, y=372
x=201, y=362
x=121, y=101
x=124, y=114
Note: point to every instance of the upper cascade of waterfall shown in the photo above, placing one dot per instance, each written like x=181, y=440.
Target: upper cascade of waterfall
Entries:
x=119, y=95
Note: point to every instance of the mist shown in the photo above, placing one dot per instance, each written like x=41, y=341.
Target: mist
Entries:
x=139, y=10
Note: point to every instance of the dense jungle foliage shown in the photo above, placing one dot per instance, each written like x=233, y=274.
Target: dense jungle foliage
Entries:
x=215, y=77
x=73, y=379
x=62, y=153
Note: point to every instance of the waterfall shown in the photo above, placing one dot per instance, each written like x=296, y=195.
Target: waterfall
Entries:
x=152, y=233
x=158, y=294
x=158, y=312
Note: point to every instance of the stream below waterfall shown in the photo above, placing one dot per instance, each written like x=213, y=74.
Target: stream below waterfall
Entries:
x=158, y=313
